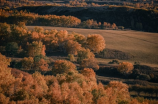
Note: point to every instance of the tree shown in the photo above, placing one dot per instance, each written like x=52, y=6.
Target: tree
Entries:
x=79, y=38
x=89, y=63
x=71, y=57
x=41, y=65
x=120, y=90
x=39, y=29
x=125, y=68
x=27, y=63
x=36, y=48
x=63, y=66
x=6, y=78
x=89, y=73
x=11, y=48
x=71, y=47
x=95, y=43
x=37, y=36
x=5, y=33
x=114, y=26
x=3, y=99
x=18, y=33
x=84, y=54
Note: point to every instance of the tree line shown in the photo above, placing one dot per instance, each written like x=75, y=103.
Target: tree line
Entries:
x=50, y=20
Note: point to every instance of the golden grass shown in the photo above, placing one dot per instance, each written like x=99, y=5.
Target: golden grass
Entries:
x=142, y=45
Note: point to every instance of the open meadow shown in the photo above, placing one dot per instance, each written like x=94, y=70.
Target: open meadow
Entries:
x=143, y=46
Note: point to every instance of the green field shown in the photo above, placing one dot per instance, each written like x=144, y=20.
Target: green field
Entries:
x=142, y=45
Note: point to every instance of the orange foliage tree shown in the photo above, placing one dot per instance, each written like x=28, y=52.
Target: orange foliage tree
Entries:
x=79, y=38
x=63, y=66
x=27, y=63
x=95, y=42
x=84, y=54
x=6, y=78
x=125, y=68
x=89, y=63
x=36, y=48
x=71, y=47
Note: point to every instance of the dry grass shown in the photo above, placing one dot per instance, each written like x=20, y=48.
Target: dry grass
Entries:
x=142, y=45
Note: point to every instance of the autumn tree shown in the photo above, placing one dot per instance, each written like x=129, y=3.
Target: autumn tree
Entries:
x=79, y=38
x=5, y=33
x=27, y=63
x=11, y=48
x=125, y=68
x=84, y=54
x=71, y=57
x=18, y=33
x=6, y=78
x=114, y=26
x=63, y=66
x=95, y=43
x=41, y=65
x=4, y=99
x=90, y=23
x=89, y=73
x=71, y=47
x=120, y=90
x=35, y=36
x=39, y=29
x=89, y=63
x=36, y=48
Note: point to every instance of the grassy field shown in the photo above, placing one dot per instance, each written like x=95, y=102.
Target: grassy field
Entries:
x=142, y=45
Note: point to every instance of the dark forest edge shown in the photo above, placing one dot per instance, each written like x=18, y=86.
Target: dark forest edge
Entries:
x=116, y=17
x=131, y=18
x=51, y=20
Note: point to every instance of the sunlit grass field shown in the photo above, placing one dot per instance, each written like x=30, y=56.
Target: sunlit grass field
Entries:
x=142, y=45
